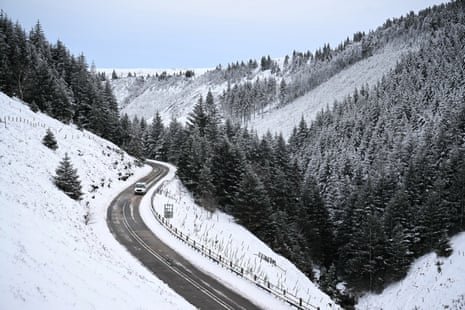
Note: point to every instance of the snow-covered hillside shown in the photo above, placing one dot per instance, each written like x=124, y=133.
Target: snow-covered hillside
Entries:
x=49, y=257
x=176, y=96
x=219, y=232
x=173, y=97
x=432, y=283
x=365, y=72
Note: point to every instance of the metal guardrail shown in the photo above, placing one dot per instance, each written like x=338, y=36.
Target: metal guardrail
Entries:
x=273, y=289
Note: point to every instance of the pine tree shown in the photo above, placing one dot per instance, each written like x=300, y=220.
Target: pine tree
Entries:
x=125, y=125
x=316, y=225
x=198, y=117
x=37, y=38
x=67, y=179
x=252, y=206
x=397, y=253
x=114, y=76
x=112, y=130
x=206, y=188
x=20, y=61
x=398, y=221
x=175, y=137
x=154, y=136
x=193, y=156
x=213, y=118
x=283, y=92
x=281, y=191
x=443, y=247
x=49, y=140
x=329, y=281
x=227, y=169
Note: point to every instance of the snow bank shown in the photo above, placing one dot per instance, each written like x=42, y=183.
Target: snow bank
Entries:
x=432, y=283
x=219, y=232
x=49, y=257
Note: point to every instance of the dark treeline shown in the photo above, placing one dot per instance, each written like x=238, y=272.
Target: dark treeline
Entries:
x=53, y=81
x=159, y=76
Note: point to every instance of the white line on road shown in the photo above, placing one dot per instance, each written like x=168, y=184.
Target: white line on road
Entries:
x=160, y=258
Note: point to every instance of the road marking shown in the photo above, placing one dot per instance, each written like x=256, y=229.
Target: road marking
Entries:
x=180, y=273
x=131, y=207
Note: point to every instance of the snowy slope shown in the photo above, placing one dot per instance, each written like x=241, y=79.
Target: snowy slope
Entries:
x=432, y=283
x=365, y=72
x=176, y=96
x=49, y=257
x=173, y=97
x=221, y=234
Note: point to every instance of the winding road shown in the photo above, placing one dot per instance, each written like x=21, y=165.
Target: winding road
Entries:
x=198, y=288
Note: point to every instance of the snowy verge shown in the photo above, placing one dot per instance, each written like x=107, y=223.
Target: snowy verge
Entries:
x=219, y=232
x=432, y=283
x=49, y=257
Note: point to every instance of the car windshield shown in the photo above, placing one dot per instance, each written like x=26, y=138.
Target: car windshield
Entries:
x=140, y=185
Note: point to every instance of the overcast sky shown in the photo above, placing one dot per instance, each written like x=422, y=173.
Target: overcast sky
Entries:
x=200, y=33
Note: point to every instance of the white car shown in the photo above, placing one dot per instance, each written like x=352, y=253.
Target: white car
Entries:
x=140, y=188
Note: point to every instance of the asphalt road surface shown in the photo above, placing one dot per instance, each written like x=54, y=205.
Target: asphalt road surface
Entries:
x=196, y=287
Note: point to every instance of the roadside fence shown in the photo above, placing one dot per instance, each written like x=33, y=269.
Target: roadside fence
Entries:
x=261, y=282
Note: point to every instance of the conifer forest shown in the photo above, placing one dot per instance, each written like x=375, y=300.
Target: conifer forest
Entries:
x=372, y=183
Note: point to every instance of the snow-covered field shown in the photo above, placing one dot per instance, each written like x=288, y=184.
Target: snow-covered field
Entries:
x=222, y=235
x=432, y=283
x=365, y=72
x=49, y=257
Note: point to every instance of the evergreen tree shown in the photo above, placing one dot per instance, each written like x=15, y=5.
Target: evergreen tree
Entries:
x=153, y=144
x=283, y=92
x=227, y=169
x=316, y=225
x=185, y=159
x=213, y=118
x=329, y=282
x=114, y=76
x=112, y=130
x=135, y=144
x=125, y=125
x=398, y=221
x=41, y=45
x=206, y=188
x=175, y=137
x=252, y=206
x=66, y=179
x=443, y=247
x=192, y=159
x=49, y=140
x=198, y=118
